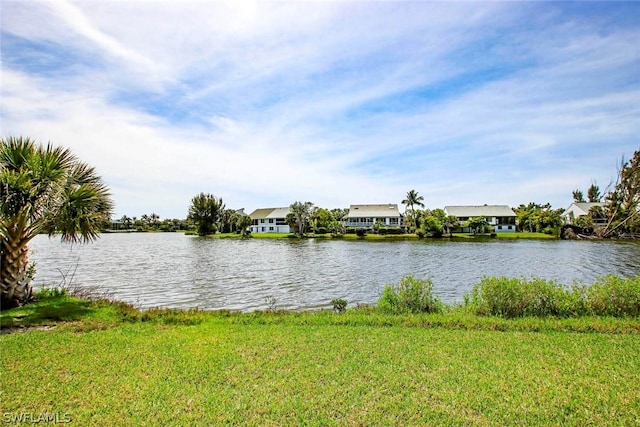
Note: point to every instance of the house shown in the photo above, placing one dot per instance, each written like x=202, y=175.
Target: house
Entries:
x=578, y=209
x=365, y=216
x=500, y=217
x=269, y=220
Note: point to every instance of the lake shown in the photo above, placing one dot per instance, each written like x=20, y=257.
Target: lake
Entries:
x=174, y=270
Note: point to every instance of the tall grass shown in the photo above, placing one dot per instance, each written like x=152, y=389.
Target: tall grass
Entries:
x=519, y=297
x=614, y=296
x=410, y=295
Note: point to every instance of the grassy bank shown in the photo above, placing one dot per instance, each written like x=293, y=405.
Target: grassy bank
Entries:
x=107, y=363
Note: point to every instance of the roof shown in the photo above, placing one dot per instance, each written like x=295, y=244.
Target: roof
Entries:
x=261, y=213
x=483, y=210
x=269, y=213
x=582, y=206
x=374, y=211
x=279, y=213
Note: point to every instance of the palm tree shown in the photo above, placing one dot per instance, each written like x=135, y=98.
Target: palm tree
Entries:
x=126, y=221
x=227, y=218
x=243, y=222
x=412, y=200
x=43, y=190
x=154, y=218
x=302, y=212
x=450, y=223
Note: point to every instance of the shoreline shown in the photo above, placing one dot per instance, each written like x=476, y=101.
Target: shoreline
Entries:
x=387, y=237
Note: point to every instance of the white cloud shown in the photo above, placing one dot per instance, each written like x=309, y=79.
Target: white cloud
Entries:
x=265, y=103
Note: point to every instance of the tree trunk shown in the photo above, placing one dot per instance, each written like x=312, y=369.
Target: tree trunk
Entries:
x=14, y=281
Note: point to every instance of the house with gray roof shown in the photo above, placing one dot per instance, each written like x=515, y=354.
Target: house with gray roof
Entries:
x=578, y=209
x=269, y=220
x=365, y=216
x=500, y=217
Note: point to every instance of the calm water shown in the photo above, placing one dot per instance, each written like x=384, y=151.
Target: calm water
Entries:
x=174, y=270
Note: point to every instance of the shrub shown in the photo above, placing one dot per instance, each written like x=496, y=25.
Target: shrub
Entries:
x=614, y=296
x=395, y=230
x=410, y=295
x=390, y=230
x=361, y=232
x=339, y=304
x=514, y=297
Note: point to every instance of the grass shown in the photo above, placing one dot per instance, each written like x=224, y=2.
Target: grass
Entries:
x=106, y=363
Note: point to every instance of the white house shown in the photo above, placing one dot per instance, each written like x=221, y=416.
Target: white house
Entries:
x=365, y=216
x=578, y=209
x=269, y=220
x=501, y=217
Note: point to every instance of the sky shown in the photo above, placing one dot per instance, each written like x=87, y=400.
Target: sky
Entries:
x=337, y=103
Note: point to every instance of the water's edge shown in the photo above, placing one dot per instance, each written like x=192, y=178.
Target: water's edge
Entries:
x=174, y=270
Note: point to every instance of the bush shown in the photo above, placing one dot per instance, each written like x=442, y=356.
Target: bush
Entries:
x=410, y=295
x=614, y=296
x=390, y=230
x=361, y=232
x=395, y=230
x=339, y=304
x=320, y=230
x=514, y=297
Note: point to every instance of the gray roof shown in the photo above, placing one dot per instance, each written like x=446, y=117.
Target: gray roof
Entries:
x=582, y=206
x=483, y=210
x=388, y=210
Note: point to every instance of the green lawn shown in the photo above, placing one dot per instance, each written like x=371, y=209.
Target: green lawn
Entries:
x=111, y=365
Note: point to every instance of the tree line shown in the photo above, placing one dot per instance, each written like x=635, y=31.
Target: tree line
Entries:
x=616, y=214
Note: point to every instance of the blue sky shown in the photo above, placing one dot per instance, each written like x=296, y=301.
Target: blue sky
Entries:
x=337, y=103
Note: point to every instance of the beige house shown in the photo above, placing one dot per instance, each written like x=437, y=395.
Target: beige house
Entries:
x=500, y=217
x=365, y=216
x=269, y=220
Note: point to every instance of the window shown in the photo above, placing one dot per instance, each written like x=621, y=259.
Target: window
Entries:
x=264, y=228
x=262, y=221
x=500, y=227
x=270, y=220
x=270, y=228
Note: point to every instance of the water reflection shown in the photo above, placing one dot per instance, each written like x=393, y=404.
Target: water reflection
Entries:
x=173, y=270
